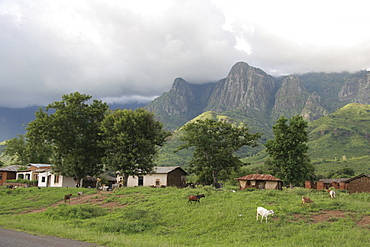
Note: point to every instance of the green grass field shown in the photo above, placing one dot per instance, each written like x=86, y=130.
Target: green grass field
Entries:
x=163, y=217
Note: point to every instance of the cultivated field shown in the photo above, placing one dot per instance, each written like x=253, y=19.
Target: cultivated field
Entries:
x=163, y=216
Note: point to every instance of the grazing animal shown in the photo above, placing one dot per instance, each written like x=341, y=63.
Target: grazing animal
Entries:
x=264, y=213
x=306, y=200
x=196, y=198
x=67, y=197
x=331, y=193
x=79, y=194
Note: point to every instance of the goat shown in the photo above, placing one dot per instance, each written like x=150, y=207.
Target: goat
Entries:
x=264, y=213
x=331, y=193
x=79, y=194
x=196, y=198
x=67, y=197
x=306, y=200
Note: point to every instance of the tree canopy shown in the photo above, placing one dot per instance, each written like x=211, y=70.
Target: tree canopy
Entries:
x=131, y=139
x=72, y=128
x=17, y=148
x=215, y=144
x=288, y=150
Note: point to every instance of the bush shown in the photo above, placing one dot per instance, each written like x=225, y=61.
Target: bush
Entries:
x=85, y=211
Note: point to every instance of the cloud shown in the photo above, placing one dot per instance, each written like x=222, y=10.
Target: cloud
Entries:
x=118, y=51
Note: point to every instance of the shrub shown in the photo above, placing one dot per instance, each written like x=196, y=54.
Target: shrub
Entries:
x=85, y=211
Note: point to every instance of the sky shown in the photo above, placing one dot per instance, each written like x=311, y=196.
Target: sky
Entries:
x=123, y=51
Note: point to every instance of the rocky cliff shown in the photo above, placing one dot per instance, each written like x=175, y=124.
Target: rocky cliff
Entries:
x=261, y=98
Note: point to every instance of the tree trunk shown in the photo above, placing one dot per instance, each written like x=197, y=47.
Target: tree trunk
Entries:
x=215, y=179
x=291, y=185
x=125, y=179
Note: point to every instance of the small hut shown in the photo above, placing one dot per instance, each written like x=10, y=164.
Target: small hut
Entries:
x=260, y=181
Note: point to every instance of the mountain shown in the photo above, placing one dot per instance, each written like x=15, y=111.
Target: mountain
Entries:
x=251, y=96
x=13, y=121
x=261, y=98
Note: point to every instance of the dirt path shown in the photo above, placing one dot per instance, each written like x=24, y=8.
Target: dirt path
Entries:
x=97, y=199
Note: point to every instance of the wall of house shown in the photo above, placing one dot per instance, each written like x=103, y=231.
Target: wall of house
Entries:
x=6, y=176
x=359, y=185
x=270, y=185
x=176, y=178
x=48, y=180
x=148, y=180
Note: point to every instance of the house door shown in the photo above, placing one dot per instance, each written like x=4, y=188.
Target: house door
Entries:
x=140, y=181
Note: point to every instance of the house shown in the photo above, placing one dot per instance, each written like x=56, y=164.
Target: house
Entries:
x=8, y=173
x=260, y=181
x=32, y=172
x=326, y=183
x=357, y=184
x=48, y=178
x=163, y=176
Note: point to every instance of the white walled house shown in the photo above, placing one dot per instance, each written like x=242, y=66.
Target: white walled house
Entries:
x=163, y=176
x=50, y=179
x=33, y=171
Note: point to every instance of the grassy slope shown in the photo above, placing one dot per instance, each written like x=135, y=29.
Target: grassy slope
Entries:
x=163, y=217
x=337, y=141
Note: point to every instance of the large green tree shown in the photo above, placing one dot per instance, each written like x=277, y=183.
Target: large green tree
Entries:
x=288, y=150
x=72, y=128
x=215, y=144
x=17, y=149
x=131, y=139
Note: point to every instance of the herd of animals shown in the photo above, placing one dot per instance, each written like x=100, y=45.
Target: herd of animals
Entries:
x=263, y=212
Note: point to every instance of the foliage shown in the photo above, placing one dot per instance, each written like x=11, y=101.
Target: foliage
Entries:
x=131, y=139
x=72, y=128
x=289, y=149
x=163, y=217
x=17, y=147
x=215, y=144
x=22, y=181
x=64, y=211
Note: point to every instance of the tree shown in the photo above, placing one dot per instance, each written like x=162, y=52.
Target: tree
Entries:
x=288, y=150
x=72, y=128
x=38, y=148
x=17, y=148
x=215, y=144
x=131, y=139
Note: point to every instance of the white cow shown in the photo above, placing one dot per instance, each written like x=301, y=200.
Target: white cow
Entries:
x=332, y=193
x=264, y=213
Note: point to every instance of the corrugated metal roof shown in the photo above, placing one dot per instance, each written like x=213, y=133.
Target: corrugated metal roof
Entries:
x=12, y=168
x=266, y=177
x=165, y=169
x=40, y=165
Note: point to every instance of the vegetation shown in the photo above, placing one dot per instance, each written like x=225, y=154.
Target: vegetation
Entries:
x=17, y=149
x=163, y=217
x=130, y=140
x=215, y=144
x=288, y=150
x=72, y=128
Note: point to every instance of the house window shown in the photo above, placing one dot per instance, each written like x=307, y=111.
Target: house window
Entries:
x=43, y=179
x=157, y=182
x=56, y=179
x=21, y=176
x=1, y=176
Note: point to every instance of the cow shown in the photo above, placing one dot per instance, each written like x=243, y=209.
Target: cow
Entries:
x=306, y=200
x=67, y=198
x=196, y=198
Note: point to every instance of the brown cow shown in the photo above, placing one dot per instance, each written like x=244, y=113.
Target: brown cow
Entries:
x=67, y=197
x=196, y=198
x=306, y=200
